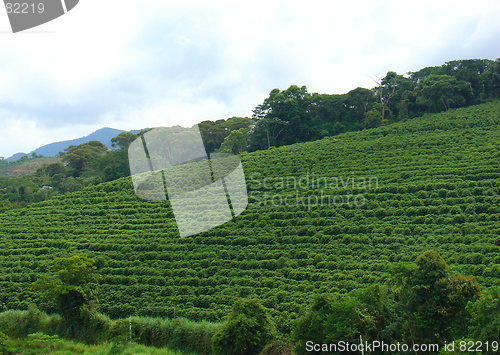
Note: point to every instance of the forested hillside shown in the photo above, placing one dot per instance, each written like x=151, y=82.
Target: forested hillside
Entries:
x=394, y=192
x=285, y=117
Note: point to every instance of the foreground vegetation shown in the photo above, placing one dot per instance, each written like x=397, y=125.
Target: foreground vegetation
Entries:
x=40, y=343
x=424, y=302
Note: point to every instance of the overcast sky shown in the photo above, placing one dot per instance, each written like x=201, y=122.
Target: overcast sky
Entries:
x=134, y=64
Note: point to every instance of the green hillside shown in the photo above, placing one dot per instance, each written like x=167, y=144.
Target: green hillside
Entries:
x=24, y=166
x=427, y=183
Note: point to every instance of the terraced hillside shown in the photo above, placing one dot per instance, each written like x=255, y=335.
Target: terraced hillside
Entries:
x=361, y=201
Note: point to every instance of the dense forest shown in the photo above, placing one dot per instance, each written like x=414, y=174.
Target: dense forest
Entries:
x=413, y=259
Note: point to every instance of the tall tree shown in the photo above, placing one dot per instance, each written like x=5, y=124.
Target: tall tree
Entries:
x=390, y=86
x=445, y=90
x=423, y=73
x=471, y=71
x=123, y=140
x=236, y=142
x=485, y=313
x=51, y=169
x=433, y=299
x=71, y=284
x=328, y=108
x=246, y=331
x=285, y=117
x=266, y=132
x=358, y=102
x=78, y=156
x=342, y=318
x=214, y=133
x=491, y=78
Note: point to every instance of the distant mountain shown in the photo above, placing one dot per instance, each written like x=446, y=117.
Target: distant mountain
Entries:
x=16, y=156
x=102, y=135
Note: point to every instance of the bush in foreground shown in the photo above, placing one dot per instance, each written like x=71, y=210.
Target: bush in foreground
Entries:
x=247, y=330
x=18, y=324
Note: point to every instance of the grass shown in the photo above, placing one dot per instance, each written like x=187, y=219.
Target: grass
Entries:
x=36, y=329
x=40, y=343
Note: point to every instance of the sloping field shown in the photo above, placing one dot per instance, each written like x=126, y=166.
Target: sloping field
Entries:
x=15, y=169
x=324, y=216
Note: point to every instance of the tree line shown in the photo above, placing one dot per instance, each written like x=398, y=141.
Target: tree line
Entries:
x=295, y=115
x=285, y=117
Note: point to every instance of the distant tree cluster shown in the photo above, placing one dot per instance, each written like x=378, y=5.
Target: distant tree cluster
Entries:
x=77, y=157
x=295, y=115
x=214, y=134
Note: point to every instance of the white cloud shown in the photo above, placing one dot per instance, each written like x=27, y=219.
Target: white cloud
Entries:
x=132, y=64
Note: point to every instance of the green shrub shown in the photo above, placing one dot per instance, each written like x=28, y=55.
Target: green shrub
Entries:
x=485, y=324
x=277, y=347
x=179, y=334
x=246, y=331
x=333, y=320
x=97, y=326
x=150, y=331
x=44, y=341
x=3, y=342
x=21, y=323
x=193, y=336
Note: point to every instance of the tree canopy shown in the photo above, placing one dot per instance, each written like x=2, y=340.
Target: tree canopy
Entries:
x=123, y=140
x=77, y=157
x=71, y=283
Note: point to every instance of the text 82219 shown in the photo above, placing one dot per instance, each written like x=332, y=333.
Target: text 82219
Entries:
x=24, y=8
